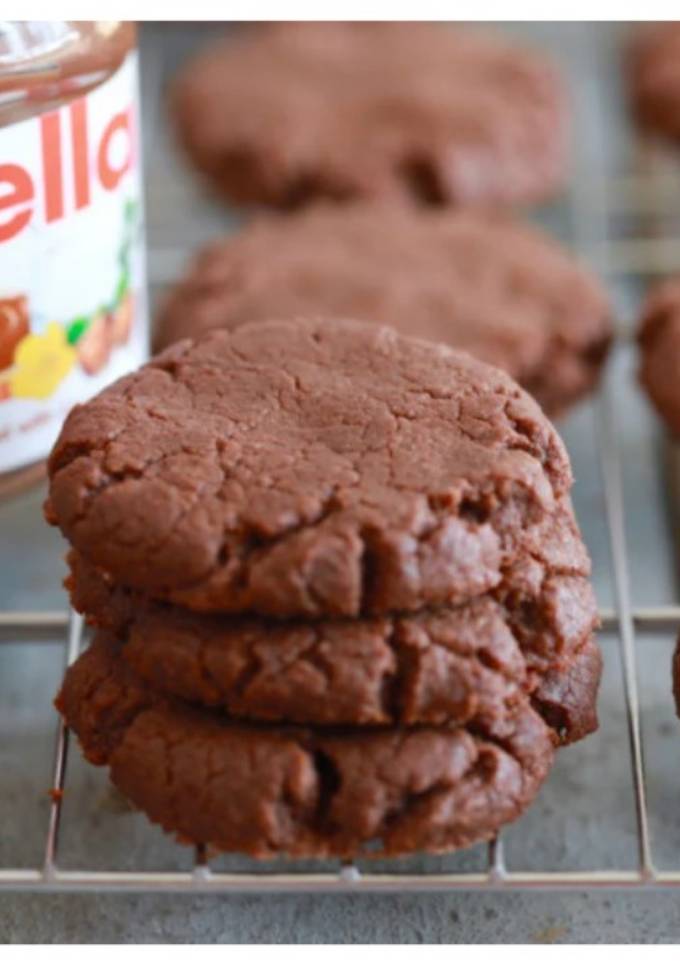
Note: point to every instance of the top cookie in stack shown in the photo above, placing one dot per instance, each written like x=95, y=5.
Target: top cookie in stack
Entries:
x=303, y=525
x=307, y=472
x=288, y=113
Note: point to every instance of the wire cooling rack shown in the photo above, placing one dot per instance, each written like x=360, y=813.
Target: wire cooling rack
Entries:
x=597, y=202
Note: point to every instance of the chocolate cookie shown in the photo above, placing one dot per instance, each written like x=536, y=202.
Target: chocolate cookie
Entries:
x=265, y=790
x=434, y=667
x=314, y=469
x=659, y=340
x=676, y=676
x=566, y=697
x=654, y=77
x=432, y=114
x=505, y=292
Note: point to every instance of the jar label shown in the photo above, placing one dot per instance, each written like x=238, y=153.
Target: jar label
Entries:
x=72, y=287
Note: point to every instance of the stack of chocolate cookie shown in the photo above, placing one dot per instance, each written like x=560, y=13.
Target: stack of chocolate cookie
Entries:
x=342, y=604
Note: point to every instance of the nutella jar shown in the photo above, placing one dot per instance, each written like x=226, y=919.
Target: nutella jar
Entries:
x=72, y=283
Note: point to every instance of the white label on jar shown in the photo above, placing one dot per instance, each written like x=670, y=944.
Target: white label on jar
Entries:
x=72, y=285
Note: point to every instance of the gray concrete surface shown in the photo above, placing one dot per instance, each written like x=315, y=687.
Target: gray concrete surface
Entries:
x=452, y=919
x=584, y=817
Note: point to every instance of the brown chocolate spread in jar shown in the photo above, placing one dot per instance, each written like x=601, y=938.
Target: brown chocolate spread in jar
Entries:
x=72, y=281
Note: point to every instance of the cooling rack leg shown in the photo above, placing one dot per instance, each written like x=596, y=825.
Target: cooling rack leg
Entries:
x=613, y=495
x=202, y=870
x=496, y=860
x=73, y=644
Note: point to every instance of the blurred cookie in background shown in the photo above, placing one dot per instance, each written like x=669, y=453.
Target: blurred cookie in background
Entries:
x=285, y=113
x=654, y=77
x=503, y=291
x=659, y=341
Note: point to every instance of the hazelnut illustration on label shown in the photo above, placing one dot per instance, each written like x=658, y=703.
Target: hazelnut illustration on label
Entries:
x=14, y=327
x=33, y=365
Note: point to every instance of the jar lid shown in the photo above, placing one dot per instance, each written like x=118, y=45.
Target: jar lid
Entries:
x=26, y=40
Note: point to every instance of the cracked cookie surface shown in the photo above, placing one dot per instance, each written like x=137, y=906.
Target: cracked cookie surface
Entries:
x=505, y=292
x=432, y=667
x=265, y=790
x=287, y=113
x=307, y=469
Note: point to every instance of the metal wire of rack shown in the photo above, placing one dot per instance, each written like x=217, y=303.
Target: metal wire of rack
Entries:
x=594, y=203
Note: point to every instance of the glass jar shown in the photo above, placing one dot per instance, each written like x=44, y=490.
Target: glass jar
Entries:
x=72, y=281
